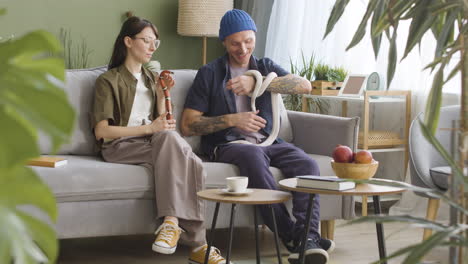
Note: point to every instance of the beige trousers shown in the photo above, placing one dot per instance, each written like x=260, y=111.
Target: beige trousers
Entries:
x=178, y=176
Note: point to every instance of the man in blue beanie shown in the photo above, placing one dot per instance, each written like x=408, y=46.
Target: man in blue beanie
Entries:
x=217, y=108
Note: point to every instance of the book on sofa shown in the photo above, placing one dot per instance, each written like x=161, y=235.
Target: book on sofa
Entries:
x=52, y=162
x=324, y=182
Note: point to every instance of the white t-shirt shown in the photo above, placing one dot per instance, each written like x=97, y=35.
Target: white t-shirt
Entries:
x=142, y=104
x=243, y=105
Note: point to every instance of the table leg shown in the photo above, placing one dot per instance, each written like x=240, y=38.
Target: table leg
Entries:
x=213, y=225
x=380, y=231
x=307, y=227
x=231, y=232
x=257, y=247
x=275, y=230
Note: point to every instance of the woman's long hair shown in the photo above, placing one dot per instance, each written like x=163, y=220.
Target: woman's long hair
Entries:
x=131, y=27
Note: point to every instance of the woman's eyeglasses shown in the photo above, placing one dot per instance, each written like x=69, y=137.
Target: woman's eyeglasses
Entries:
x=156, y=42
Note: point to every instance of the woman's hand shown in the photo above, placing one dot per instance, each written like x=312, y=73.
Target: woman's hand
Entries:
x=166, y=80
x=161, y=124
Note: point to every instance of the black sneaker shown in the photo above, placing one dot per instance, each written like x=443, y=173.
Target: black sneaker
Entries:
x=291, y=245
x=313, y=253
x=327, y=244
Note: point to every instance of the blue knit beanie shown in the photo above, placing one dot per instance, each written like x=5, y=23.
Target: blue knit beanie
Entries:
x=235, y=21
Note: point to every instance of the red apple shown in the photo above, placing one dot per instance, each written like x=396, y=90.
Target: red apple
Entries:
x=363, y=156
x=342, y=154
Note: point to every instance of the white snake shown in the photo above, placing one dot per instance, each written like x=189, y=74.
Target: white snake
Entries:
x=260, y=88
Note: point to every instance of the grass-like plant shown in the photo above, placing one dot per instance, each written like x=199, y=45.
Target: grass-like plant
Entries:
x=31, y=99
x=446, y=20
x=306, y=70
x=75, y=56
x=321, y=72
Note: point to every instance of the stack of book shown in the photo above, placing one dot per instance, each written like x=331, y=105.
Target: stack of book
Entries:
x=324, y=182
x=47, y=161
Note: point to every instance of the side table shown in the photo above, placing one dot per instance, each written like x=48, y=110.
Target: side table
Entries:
x=256, y=197
x=361, y=189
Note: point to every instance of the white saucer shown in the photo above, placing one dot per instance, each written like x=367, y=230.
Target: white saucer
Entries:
x=225, y=191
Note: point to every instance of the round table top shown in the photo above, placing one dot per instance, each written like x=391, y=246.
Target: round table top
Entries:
x=361, y=189
x=257, y=196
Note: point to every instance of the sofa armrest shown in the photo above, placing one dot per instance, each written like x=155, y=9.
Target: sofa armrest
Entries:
x=319, y=134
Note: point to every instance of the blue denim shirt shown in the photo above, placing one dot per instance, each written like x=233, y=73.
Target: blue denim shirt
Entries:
x=209, y=95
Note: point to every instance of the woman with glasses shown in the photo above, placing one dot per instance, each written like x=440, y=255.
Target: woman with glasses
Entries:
x=130, y=125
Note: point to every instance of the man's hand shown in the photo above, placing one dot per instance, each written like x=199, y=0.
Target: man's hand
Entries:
x=241, y=85
x=247, y=121
x=161, y=124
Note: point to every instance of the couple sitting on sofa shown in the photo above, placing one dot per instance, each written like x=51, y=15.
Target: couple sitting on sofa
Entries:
x=129, y=121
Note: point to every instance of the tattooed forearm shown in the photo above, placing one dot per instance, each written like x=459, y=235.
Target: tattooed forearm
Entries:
x=289, y=84
x=207, y=125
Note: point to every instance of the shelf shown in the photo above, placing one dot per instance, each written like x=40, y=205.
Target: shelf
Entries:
x=361, y=98
x=383, y=198
x=385, y=150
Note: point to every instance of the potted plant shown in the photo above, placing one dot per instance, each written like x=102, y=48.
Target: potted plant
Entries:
x=31, y=74
x=447, y=21
x=327, y=79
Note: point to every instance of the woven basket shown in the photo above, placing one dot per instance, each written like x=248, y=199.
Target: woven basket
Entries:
x=381, y=139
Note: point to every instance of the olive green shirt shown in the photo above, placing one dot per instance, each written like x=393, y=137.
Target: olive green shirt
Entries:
x=114, y=95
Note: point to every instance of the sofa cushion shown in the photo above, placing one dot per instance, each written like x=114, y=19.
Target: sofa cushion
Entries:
x=89, y=178
x=79, y=88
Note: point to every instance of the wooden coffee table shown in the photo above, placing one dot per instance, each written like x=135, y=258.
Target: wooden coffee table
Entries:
x=361, y=189
x=256, y=197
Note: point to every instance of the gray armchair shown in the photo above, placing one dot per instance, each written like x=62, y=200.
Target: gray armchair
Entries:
x=427, y=168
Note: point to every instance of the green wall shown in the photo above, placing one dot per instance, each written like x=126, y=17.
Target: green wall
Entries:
x=99, y=21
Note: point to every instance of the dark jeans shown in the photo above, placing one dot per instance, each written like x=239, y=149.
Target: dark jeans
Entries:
x=254, y=162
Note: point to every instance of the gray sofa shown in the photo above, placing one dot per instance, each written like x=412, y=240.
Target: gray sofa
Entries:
x=96, y=198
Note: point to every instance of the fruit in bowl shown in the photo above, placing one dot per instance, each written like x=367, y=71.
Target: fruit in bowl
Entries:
x=358, y=171
x=342, y=154
x=349, y=165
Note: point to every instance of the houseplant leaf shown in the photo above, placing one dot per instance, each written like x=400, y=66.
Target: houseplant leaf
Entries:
x=392, y=58
x=30, y=82
x=376, y=39
x=22, y=139
x=361, y=31
x=434, y=101
x=420, y=24
x=335, y=15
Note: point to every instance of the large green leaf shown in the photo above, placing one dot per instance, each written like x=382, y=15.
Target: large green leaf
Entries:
x=15, y=234
x=361, y=31
x=420, y=24
x=453, y=72
x=2, y=11
x=335, y=15
x=22, y=139
x=21, y=186
x=42, y=234
x=30, y=83
x=434, y=101
x=419, y=252
x=446, y=33
x=392, y=57
x=378, y=13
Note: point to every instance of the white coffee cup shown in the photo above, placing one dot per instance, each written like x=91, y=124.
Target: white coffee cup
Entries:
x=237, y=184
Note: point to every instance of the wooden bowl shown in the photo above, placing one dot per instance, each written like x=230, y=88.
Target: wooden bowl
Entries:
x=356, y=171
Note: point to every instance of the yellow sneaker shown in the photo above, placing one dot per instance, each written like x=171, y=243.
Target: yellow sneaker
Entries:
x=168, y=234
x=198, y=257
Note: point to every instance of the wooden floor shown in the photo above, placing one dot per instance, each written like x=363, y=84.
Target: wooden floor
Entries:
x=356, y=244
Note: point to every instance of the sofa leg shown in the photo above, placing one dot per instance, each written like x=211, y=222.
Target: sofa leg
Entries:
x=431, y=214
x=327, y=229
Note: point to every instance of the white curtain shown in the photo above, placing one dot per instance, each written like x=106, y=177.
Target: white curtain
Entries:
x=298, y=26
